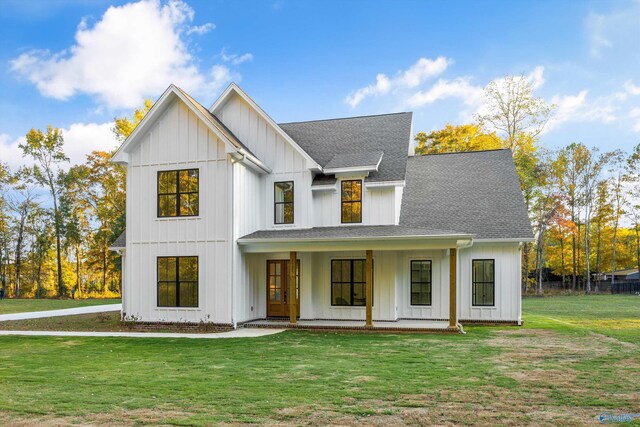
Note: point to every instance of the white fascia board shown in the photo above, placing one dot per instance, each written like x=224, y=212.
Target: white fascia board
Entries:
x=242, y=241
x=517, y=240
x=423, y=242
x=327, y=187
x=383, y=184
x=352, y=169
x=233, y=87
x=158, y=107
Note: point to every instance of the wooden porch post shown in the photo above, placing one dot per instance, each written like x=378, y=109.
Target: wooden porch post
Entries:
x=292, y=288
x=369, y=289
x=453, y=299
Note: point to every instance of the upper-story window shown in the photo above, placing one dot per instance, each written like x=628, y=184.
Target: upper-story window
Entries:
x=283, y=202
x=178, y=193
x=352, y=201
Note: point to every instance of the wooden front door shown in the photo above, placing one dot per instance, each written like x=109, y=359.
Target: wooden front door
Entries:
x=278, y=288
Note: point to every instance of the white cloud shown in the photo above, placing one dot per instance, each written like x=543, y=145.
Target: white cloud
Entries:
x=414, y=76
x=80, y=139
x=234, y=58
x=634, y=115
x=582, y=108
x=536, y=77
x=134, y=51
x=567, y=106
x=200, y=29
x=460, y=88
x=630, y=88
x=597, y=32
x=617, y=28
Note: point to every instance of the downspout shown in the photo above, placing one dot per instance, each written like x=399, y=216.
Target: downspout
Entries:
x=232, y=239
x=466, y=245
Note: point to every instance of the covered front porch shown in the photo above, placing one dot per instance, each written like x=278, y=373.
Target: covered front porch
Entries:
x=357, y=281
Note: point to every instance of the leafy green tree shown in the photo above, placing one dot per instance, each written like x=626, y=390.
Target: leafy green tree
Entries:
x=46, y=149
x=512, y=109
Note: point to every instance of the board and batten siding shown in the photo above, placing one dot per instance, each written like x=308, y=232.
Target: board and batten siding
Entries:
x=507, y=282
x=248, y=202
x=178, y=140
x=285, y=162
x=439, y=308
x=380, y=206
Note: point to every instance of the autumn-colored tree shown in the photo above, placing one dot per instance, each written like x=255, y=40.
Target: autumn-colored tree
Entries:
x=602, y=216
x=632, y=176
x=123, y=126
x=453, y=139
x=5, y=232
x=594, y=165
x=47, y=152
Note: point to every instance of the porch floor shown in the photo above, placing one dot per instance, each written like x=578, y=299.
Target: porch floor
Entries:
x=397, y=325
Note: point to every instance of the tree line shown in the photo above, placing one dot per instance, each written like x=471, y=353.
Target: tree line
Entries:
x=584, y=203
x=58, y=220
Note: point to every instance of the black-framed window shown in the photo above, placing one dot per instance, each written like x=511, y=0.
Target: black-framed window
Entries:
x=283, y=202
x=483, y=282
x=178, y=281
x=178, y=193
x=421, y=282
x=349, y=282
x=351, y=197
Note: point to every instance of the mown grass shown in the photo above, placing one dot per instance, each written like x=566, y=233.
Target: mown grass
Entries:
x=8, y=306
x=548, y=373
x=616, y=316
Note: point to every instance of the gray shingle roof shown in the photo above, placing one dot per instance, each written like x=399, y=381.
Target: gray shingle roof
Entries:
x=121, y=241
x=475, y=192
x=363, y=159
x=347, y=232
x=389, y=133
x=323, y=180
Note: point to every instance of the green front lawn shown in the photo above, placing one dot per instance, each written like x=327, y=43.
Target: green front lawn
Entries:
x=560, y=369
x=8, y=306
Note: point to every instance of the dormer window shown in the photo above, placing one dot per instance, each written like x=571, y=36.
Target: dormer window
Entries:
x=178, y=193
x=283, y=202
x=352, y=201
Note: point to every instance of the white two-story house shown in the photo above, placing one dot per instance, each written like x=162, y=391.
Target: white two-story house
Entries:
x=230, y=214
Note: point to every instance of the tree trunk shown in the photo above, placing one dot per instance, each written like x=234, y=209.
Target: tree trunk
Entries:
x=56, y=215
x=78, y=270
x=598, y=259
x=638, y=246
x=587, y=245
x=573, y=249
x=39, y=280
x=19, y=255
x=613, y=252
x=562, y=260
x=525, y=267
x=104, y=271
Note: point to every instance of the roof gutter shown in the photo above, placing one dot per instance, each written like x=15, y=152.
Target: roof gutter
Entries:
x=509, y=240
x=247, y=159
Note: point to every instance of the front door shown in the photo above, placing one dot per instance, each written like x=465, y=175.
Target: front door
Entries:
x=278, y=288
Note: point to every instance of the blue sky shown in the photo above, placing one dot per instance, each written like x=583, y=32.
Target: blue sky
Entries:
x=77, y=64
